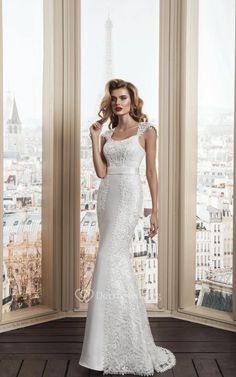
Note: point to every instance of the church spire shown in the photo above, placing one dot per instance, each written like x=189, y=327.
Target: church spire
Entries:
x=14, y=119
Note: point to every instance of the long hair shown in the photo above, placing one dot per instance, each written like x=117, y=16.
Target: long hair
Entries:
x=135, y=106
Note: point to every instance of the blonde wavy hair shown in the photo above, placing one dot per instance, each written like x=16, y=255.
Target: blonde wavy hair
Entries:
x=105, y=111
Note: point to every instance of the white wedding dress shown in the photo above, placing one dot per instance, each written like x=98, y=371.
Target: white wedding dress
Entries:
x=118, y=338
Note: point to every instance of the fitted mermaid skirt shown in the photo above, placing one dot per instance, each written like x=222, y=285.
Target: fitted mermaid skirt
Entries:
x=118, y=338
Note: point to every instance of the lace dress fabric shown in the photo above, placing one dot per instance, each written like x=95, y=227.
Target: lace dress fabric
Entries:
x=118, y=338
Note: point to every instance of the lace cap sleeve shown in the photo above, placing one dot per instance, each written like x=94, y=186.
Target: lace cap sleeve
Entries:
x=106, y=134
x=145, y=125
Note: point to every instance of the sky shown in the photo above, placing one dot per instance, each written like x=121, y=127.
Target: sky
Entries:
x=23, y=54
x=135, y=37
x=216, y=53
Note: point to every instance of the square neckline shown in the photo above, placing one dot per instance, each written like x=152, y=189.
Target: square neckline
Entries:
x=136, y=134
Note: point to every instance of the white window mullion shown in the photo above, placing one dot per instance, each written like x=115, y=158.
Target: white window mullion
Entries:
x=173, y=151
x=169, y=98
x=188, y=152
x=69, y=175
x=163, y=157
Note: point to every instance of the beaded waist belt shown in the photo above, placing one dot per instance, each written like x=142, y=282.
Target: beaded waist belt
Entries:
x=122, y=170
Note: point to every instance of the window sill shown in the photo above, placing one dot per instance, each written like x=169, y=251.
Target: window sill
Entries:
x=205, y=316
x=27, y=317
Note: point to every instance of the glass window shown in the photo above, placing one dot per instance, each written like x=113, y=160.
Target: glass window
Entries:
x=22, y=183
x=216, y=149
x=115, y=45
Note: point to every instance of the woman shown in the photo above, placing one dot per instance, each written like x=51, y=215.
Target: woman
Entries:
x=118, y=338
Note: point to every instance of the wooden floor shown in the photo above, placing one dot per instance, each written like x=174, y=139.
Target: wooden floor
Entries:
x=52, y=349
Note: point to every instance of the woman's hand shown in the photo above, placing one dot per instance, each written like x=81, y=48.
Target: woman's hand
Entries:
x=153, y=224
x=95, y=129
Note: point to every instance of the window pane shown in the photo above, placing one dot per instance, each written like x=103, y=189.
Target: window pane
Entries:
x=115, y=44
x=214, y=241
x=22, y=184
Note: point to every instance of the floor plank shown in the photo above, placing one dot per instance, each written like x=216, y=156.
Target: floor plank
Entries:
x=76, y=370
x=184, y=368
x=32, y=367
x=10, y=368
x=207, y=368
x=227, y=367
x=56, y=368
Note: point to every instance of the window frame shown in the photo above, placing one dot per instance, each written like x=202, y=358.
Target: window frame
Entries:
x=188, y=178
x=51, y=196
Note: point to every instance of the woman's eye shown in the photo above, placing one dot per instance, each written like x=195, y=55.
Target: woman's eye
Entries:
x=113, y=99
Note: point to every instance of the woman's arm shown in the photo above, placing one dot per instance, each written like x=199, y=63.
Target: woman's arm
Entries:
x=151, y=174
x=99, y=160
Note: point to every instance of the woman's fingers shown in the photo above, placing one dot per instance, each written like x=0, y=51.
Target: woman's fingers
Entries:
x=153, y=230
x=97, y=124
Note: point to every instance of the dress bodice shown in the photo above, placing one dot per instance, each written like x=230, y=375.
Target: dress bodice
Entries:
x=127, y=152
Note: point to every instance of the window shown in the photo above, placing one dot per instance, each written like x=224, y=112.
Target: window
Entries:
x=216, y=143
x=104, y=56
x=22, y=143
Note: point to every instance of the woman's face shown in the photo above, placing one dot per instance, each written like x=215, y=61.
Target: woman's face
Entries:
x=120, y=101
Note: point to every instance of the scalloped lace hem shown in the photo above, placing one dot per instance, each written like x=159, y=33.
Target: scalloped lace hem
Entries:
x=130, y=372
x=158, y=369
